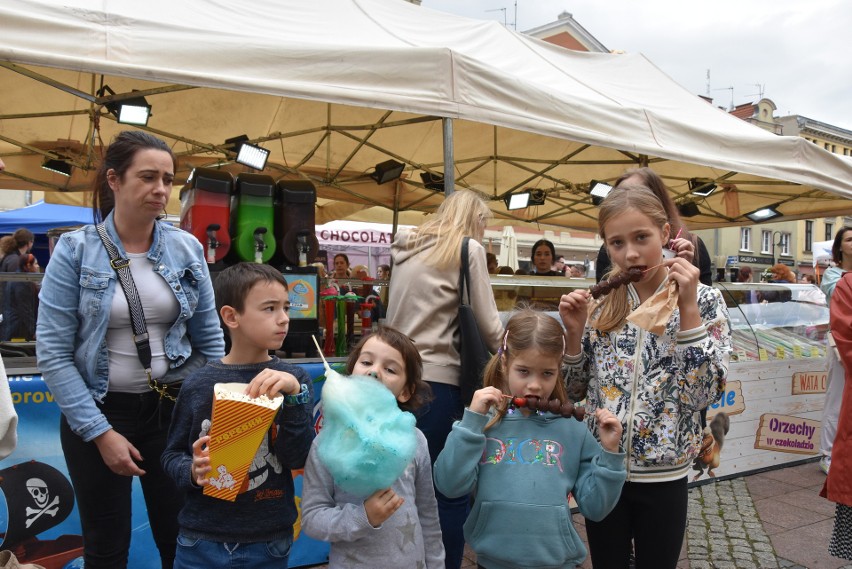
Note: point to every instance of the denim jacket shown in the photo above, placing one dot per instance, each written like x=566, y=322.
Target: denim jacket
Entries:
x=75, y=300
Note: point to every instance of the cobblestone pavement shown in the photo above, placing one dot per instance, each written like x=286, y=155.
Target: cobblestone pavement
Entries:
x=775, y=519
x=723, y=530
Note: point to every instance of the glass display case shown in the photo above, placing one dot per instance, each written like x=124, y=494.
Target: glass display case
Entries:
x=769, y=321
x=776, y=321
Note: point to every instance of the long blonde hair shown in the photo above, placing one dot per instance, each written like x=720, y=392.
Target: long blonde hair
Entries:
x=526, y=329
x=461, y=215
x=614, y=307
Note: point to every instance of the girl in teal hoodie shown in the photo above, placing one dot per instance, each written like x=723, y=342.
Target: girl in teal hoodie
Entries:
x=523, y=464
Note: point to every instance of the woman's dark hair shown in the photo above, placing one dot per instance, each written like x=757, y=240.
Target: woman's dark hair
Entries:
x=547, y=243
x=836, y=249
x=118, y=157
x=345, y=258
x=420, y=391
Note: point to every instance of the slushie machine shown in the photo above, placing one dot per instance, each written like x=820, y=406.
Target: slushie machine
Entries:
x=205, y=206
x=253, y=218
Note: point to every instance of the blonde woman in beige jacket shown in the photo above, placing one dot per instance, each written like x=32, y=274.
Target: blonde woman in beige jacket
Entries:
x=424, y=303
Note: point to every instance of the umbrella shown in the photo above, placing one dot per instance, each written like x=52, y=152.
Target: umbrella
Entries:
x=508, y=248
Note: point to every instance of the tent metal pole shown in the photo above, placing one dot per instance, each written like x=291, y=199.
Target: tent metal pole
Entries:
x=449, y=172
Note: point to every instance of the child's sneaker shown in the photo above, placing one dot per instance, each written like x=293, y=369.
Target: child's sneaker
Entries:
x=825, y=464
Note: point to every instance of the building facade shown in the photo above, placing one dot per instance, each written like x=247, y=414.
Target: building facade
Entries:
x=788, y=242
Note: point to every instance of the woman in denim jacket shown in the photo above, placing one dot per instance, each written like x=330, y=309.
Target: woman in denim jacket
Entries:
x=114, y=417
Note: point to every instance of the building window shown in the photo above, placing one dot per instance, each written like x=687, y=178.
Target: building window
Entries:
x=829, y=231
x=745, y=238
x=765, y=241
x=826, y=145
x=785, y=244
x=809, y=236
x=833, y=148
x=846, y=152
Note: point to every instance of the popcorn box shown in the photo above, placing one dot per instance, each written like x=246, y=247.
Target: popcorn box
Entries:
x=237, y=428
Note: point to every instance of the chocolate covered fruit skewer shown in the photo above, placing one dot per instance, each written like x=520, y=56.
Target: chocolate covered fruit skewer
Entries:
x=603, y=288
x=535, y=403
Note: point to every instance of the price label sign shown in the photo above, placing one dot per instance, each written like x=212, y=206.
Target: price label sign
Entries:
x=797, y=352
x=763, y=354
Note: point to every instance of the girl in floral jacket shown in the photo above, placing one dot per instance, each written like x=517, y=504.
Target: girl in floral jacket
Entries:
x=655, y=383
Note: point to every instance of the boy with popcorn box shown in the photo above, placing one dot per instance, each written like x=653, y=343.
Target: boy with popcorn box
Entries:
x=239, y=426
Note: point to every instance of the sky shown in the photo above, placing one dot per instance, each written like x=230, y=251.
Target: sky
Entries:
x=798, y=53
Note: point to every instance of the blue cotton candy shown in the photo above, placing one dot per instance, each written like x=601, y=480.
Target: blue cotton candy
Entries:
x=366, y=441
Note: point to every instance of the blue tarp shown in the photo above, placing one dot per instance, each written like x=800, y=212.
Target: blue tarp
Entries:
x=40, y=217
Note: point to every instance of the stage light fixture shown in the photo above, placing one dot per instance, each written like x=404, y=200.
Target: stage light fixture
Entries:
x=57, y=166
x=764, y=213
x=526, y=198
x=135, y=110
x=701, y=186
x=433, y=181
x=252, y=156
x=598, y=191
x=387, y=171
x=519, y=200
x=688, y=209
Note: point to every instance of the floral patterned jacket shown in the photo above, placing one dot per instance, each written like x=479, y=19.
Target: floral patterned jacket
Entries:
x=656, y=385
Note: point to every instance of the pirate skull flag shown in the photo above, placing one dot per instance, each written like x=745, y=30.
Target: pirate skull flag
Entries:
x=38, y=497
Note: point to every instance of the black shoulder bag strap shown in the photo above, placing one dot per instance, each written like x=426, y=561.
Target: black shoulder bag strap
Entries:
x=137, y=316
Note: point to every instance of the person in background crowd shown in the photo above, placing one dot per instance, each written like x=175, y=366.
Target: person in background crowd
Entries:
x=424, y=305
x=543, y=253
x=383, y=273
x=23, y=302
x=504, y=270
x=841, y=257
x=814, y=295
x=341, y=266
x=491, y=263
x=367, y=291
x=686, y=246
x=115, y=414
x=744, y=275
x=559, y=265
x=837, y=487
x=781, y=273
x=12, y=247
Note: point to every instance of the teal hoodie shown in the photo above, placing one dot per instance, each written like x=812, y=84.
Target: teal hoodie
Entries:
x=522, y=470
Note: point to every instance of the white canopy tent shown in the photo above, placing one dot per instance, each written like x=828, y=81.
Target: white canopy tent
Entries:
x=334, y=87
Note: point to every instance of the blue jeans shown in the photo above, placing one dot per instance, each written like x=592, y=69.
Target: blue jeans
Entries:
x=195, y=553
x=436, y=421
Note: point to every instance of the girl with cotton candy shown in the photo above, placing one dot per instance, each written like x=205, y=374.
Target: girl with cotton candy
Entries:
x=368, y=480
x=523, y=463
